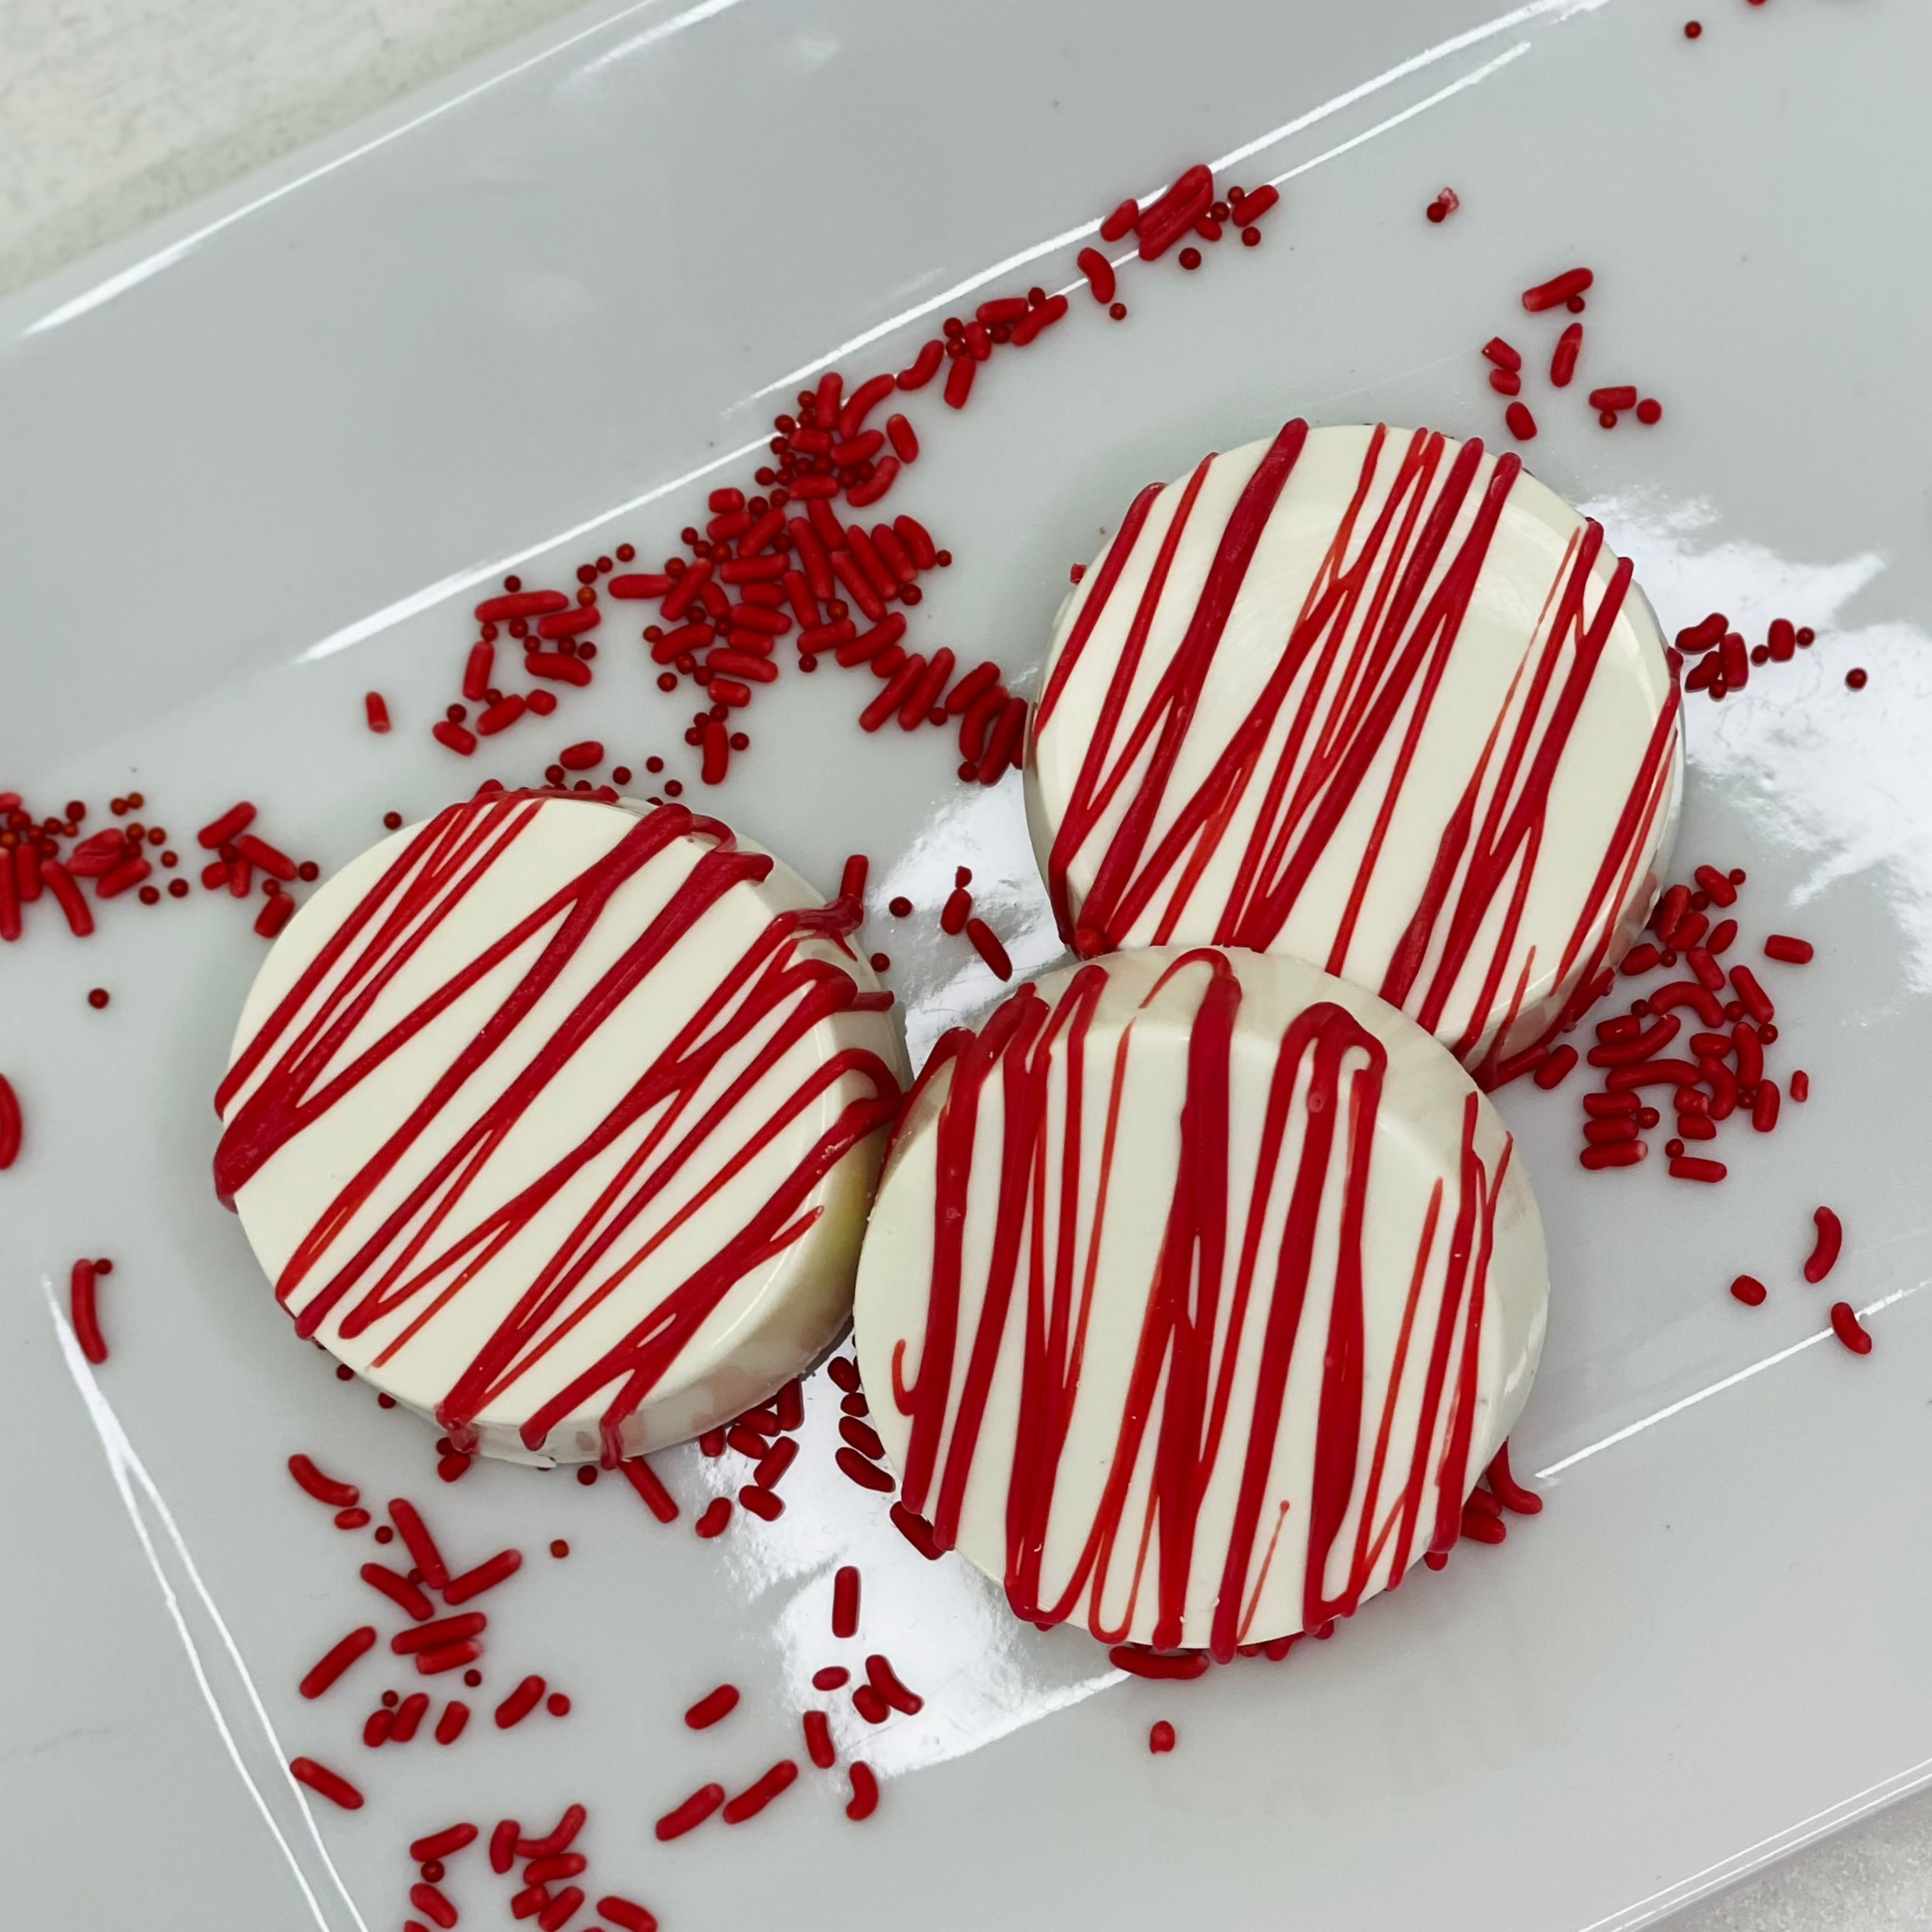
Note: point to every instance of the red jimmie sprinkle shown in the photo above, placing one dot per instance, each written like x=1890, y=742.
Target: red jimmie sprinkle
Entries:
x=375, y=711
x=866, y=1474
x=753, y=1799
x=455, y=1714
x=400, y=1590
x=324, y=1488
x=1790, y=952
x=865, y=1794
x=86, y=1316
x=1555, y=1068
x=1825, y=1253
x=520, y=1703
x=713, y=1708
x=337, y=1659
x=845, y=1599
x=818, y=1745
x=10, y=1127
x=330, y=1784
x=716, y=1515
x=630, y=1918
x=472, y=1623
x=503, y=1845
x=1749, y=1290
x=568, y=1827
x=485, y=1576
x=691, y=1813
x=221, y=831
x=1563, y=363
x=432, y=1904
x=1499, y=353
x=1800, y=1086
x=1522, y=425
x=421, y=1545
x=1846, y=1325
x=1619, y=1154
x=1688, y=1168
x=1160, y=1737
x=1099, y=273
x=644, y=1480
x=1557, y=290
x=884, y=1679
x=986, y=944
x=441, y=1845
x=1138, y=1661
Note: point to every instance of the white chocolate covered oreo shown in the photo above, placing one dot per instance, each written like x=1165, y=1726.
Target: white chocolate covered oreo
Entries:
x=558, y=1121
x=1374, y=699
x=1200, y=1290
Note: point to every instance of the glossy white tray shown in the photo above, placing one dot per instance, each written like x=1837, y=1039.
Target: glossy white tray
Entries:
x=259, y=461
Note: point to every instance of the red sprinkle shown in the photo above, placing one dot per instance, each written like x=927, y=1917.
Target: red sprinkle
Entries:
x=421, y=1545
x=712, y=1707
x=1618, y=1154
x=1557, y=290
x=623, y=1913
x=400, y=1590
x=440, y=1844
x=845, y=1599
x=1555, y=1069
x=753, y=1799
x=865, y=1794
x=331, y=1784
x=923, y=367
x=1160, y=1738
x=561, y=1839
x=324, y=1488
x=818, y=1746
x=880, y=1674
x=986, y=944
x=1749, y=1290
x=1138, y=1661
x=375, y=711
x=1800, y=1086
x=1122, y=222
x=1846, y=1325
x=455, y=1714
x=520, y=1703
x=503, y=1845
x=358, y=1643
x=1522, y=425
x=1563, y=363
x=1499, y=353
x=1825, y=1251
x=485, y=1576
x=432, y=1904
x=645, y=1481
x=691, y=1813
x=221, y=831
x=1688, y=1168
x=867, y=1475
x=86, y=1319
x=717, y=1514
x=10, y=1128
x=1782, y=947
x=1099, y=273
x=1620, y=396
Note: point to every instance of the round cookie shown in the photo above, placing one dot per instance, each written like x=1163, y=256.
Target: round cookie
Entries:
x=558, y=1121
x=1200, y=1289
x=1376, y=698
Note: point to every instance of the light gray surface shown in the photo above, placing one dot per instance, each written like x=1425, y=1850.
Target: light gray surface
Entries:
x=115, y=114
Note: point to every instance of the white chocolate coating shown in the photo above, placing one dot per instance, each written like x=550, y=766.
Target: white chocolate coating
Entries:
x=1422, y=730
x=585, y=1283
x=1402, y=1183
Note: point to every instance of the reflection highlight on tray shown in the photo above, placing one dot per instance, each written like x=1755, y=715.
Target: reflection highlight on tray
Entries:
x=1837, y=779
x=949, y=1633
